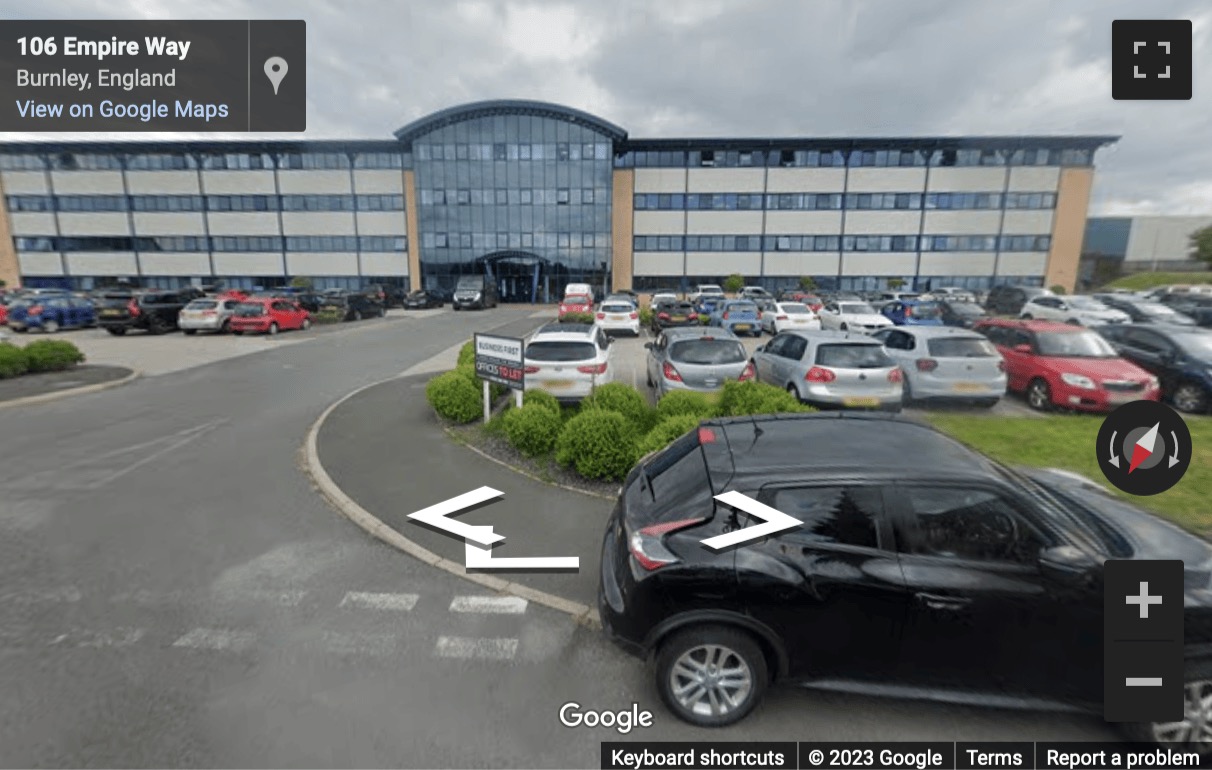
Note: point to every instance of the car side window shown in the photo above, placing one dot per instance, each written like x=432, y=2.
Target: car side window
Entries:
x=603, y=341
x=898, y=340
x=972, y=524
x=776, y=345
x=831, y=307
x=1147, y=341
x=281, y=306
x=1019, y=337
x=833, y=515
x=795, y=348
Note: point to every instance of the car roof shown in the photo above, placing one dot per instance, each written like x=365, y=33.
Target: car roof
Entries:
x=1031, y=325
x=568, y=331
x=830, y=335
x=700, y=331
x=938, y=331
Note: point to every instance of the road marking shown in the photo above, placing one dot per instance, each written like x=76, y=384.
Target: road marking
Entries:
x=343, y=643
x=280, y=598
x=122, y=637
x=373, y=601
x=493, y=605
x=216, y=639
x=59, y=594
x=146, y=598
x=485, y=649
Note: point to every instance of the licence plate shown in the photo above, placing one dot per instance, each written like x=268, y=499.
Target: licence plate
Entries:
x=860, y=401
x=111, y=312
x=557, y=384
x=742, y=327
x=677, y=319
x=618, y=318
x=968, y=387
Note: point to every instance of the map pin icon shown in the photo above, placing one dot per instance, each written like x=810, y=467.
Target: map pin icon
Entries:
x=275, y=70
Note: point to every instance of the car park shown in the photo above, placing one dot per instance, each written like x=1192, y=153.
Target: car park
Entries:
x=781, y=316
x=1070, y=367
x=475, y=292
x=619, y=316
x=268, y=316
x=1076, y=310
x=848, y=315
x=739, y=316
x=353, y=306
x=1009, y=300
x=210, y=314
x=574, y=305
x=155, y=312
x=701, y=359
x=422, y=299
x=50, y=313
x=673, y=312
x=831, y=369
x=1180, y=357
x=960, y=313
x=943, y=364
x=568, y=360
x=911, y=312
x=1145, y=311
x=921, y=568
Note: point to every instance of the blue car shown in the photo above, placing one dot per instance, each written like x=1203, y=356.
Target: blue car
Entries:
x=913, y=312
x=709, y=303
x=739, y=316
x=51, y=313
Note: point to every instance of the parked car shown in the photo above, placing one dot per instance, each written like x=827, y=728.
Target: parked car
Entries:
x=1197, y=307
x=578, y=289
x=568, y=360
x=782, y=316
x=911, y=312
x=1145, y=311
x=575, y=304
x=663, y=296
x=673, y=312
x=953, y=294
x=739, y=316
x=902, y=296
x=1180, y=357
x=268, y=316
x=1009, y=300
x=754, y=293
x=422, y=299
x=922, y=568
x=1059, y=365
x=210, y=314
x=831, y=369
x=389, y=296
x=619, y=315
x=710, y=289
x=50, y=313
x=354, y=306
x=946, y=364
x=707, y=297
x=701, y=359
x=960, y=313
x=1076, y=310
x=475, y=292
x=5, y=301
x=627, y=297
x=153, y=311
x=852, y=316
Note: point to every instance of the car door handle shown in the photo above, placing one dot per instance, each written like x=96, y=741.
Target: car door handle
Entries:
x=947, y=603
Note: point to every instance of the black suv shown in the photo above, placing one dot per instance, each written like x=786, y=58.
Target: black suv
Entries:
x=1009, y=300
x=921, y=569
x=353, y=306
x=154, y=311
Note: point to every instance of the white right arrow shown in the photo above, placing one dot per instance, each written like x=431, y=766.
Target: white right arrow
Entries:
x=775, y=521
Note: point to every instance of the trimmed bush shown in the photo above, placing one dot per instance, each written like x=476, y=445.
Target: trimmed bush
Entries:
x=328, y=315
x=598, y=444
x=533, y=429
x=467, y=354
x=543, y=400
x=667, y=431
x=753, y=397
x=13, y=361
x=683, y=402
x=52, y=355
x=624, y=399
x=577, y=318
x=455, y=396
x=646, y=316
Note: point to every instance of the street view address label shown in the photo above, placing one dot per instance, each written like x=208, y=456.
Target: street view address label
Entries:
x=198, y=76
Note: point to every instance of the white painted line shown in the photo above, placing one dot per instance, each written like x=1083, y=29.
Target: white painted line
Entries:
x=343, y=643
x=1144, y=681
x=372, y=601
x=122, y=637
x=216, y=639
x=146, y=598
x=492, y=605
x=485, y=649
x=279, y=598
x=59, y=594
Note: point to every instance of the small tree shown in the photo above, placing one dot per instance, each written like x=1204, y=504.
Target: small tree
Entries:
x=1201, y=244
x=301, y=282
x=808, y=283
x=1058, y=289
x=896, y=283
x=734, y=283
x=3, y=283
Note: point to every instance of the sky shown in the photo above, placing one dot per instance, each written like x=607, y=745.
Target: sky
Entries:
x=684, y=68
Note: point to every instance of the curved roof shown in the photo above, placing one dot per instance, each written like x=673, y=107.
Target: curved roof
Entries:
x=494, y=107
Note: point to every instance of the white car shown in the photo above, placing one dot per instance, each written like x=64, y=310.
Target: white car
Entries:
x=953, y=294
x=783, y=316
x=1077, y=310
x=663, y=296
x=568, y=360
x=852, y=316
x=619, y=316
x=209, y=314
x=898, y=296
x=705, y=288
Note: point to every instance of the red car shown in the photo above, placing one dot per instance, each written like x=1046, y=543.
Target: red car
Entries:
x=1071, y=367
x=268, y=315
x=576, y=303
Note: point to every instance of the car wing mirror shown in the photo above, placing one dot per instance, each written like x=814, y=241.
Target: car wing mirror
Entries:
x=760, y=349
x=1066, y=563
x=648, y=346
x=1022, y=348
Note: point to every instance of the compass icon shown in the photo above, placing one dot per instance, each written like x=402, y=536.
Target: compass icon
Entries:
x=1144, y=447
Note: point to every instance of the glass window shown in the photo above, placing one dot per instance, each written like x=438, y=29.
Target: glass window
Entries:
x=971, y=524
x=835, y=515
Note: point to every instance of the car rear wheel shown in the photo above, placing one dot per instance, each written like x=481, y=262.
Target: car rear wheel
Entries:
x=117, y=331
x=1073, y=322
x=844, y=328
x=1193, y=732
x=189, y=331
x=1190, y=398
x=794, y=390
x=273, y=328
x=50, y=327
x=1039, y=395
x=225, y=328
x=1026, y=317
x=306, y=324
x=711, y=676
x=357, y=316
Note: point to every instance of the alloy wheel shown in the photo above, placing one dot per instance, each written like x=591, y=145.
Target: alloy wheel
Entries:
x=710, y=680
x=1190, y=398
x=1195, y=729
x=1039, y=396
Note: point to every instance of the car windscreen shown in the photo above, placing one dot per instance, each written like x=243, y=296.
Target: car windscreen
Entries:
x=471, y=283
x=560, y=350
x=1156, y=308
x=1077, y=344
x=707, y=352
x=961, y=347
x=250, y=309
x=1086, y=303
x=578, y=299
x=202, y=304
x=965, y=308
x=741, y=307
x=1197, y=346
x=793, y=308
x=618, y=307
x=927, y=310
x=853, y=356
x=856, y=308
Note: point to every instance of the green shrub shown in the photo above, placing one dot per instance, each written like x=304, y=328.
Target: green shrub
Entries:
x=624, y=399
x=52, y=355
x=752, y=397
x=328, y=315
x=467, y=353
x=542, y=399
x=704, y=319
x=683, y=402
x=598, y=444
x=577, y=318
x=455, y=396
x=666, y=431
x=13, y=361
x=646, y=316
x=532, y=430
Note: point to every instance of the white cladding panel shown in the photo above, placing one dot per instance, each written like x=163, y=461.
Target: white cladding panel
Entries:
x=806, y=180
x=660, y=222
x=382, y=223
x=40, y=263
x=384, y=263
x=162, y=182
x=102, y=263
x=657, y=263
x=812, y=263
x=321, y=263
x=660, y=180
x=967, y=179
x=371, y=181
x=723, y=263
x=318, y=222
x=803, y=222
x=247, y=263
x=1034, y=178
x=32, y=223
x=737, y=180
x=24, y=182
x=238, y=182
x=87, y=182
x=169, y=223
x=168, y=263
x=94, y=223
x=316, y=181
x=1022, y=263
x=886, y=180
x=957, y=263
x=1027, y=222
x=878, y=263
x=244, y=223
x=963, y=222
x=883, y=222
x=724, y=222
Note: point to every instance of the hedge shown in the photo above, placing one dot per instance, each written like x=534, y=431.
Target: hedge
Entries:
x=680, y=402
x=533, y=429
x=599, y=444
x=52, y=355
x=544, y=400
x=455, y=396
x=577, y=318
x=467, y=354
x=13, y=361
x=666, y=431
x=624, y=399
x=328, y=315
x=646, y=316
x=753, y=397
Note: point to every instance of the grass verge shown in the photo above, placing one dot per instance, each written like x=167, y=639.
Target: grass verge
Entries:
x=1142, y=281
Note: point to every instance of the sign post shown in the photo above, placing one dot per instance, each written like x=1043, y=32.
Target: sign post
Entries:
x=500, y=360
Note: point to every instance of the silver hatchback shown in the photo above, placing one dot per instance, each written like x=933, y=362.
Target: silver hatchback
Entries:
x=690, y=358
x=831, y=369
x=942, y=363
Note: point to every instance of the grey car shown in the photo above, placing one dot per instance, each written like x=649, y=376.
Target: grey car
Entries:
x=831, y=369
x=696, y=358
x=946, y=364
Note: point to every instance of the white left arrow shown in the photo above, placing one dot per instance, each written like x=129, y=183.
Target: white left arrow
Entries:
x=773, y=519
x=436, y=516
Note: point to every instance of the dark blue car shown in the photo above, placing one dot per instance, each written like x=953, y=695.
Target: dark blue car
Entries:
x=913, y=312
x=51, y=313
x=1180, y=357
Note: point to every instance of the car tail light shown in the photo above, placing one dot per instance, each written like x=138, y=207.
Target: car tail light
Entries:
x=663, y=316
x=647, y=546
x=1001, y=365
x=926, y=364
x=908, y=311
x=633, y=316
x=563, y=308
x=592, y=369
x=532, y=370
x=896, y=375
x=693, y=316
x=35, y=310
x=819, y=374
x=133, y=308
x=669, y=373
x=748, y=373
x=780, y=318
x=601, y=316
x=725, y=314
